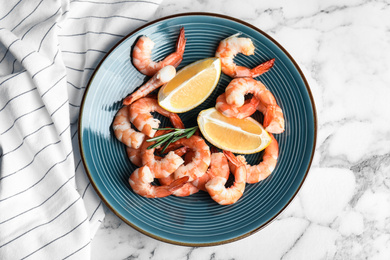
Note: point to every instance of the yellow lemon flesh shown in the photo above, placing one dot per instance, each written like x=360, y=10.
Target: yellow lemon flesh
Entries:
x=245, y=136
x=192, y=85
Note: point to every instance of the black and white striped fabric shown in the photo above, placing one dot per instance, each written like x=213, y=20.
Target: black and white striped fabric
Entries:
x=48, y=51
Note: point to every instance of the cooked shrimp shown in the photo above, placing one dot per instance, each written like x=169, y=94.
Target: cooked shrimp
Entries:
x=229, y=48
x=142, y=53
x=264, y=169
x=123, y=131
x=273, y=115
x=163, y=76
x=186, y=190
x=216, y=186
x=274, y=119
x=140, y=181
x=161, y=167
x=218, y=167
x=135, y=157
x=141, y=117
x=200, y=161
x=135, y=154
x=250, y=106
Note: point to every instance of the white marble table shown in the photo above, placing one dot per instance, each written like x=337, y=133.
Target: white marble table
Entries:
x=343, y=209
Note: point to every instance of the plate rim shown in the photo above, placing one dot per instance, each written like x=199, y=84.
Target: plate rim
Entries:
x=186, y=14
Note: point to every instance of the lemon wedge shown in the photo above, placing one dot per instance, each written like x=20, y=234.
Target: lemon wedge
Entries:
x=244, y=136
x=192, y=85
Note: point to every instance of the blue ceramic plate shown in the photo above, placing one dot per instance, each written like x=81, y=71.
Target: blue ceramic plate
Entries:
x=196, y=220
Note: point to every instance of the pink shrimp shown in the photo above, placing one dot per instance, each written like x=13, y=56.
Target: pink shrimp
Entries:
x=141, y=117
x=135, y=154
x=218, y=167
x=161, y=167
x=200, y=161
x=135, y=157
x=140, y=181
x=123, y=131
x=264, y=169
x=186, y=190
x=250, y=106
x=273, y=114
x=273, y=119
x=142, y=53
x=163, y=76
x=216, y=186
x=229, y=48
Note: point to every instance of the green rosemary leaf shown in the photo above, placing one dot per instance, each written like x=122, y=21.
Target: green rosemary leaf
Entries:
x=191, y=132
x=171, y=137
x=166, y=145
x=159, y=142
x=160, y=137
x=166, y=128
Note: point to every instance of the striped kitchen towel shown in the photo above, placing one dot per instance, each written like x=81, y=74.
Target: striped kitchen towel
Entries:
x=48, y=51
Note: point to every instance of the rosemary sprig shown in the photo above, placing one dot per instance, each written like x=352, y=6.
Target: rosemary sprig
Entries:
x=171, y=137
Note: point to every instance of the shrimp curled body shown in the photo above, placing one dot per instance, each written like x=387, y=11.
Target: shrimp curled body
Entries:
x=261, y=171
x=189, y=188
x=216, y=186
x=200, y=161
x=140, y=181
x=229, y=48
x=250, y=106
x=123, y=131
x=273, y=114
x=218, y=167
x=134, y=154
x=142, y=55
x=141, y=117
x=161, y=167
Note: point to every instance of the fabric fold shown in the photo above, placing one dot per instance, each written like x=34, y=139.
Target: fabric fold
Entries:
x=48, y=51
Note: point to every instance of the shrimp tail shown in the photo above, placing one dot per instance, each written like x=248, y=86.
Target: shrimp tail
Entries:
x=180, y=151
x=176, y=58
x=253, y=103
x=130, y=99
x=213, y=149
x=270, y=113
x=262, y=68
x=176, y=121
x=181, y=42
x=177, y=184
x=169, y=148
x=164, y=191
x=233, y=159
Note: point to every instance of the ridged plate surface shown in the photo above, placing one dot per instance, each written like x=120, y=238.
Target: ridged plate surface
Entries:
x=196, y=220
